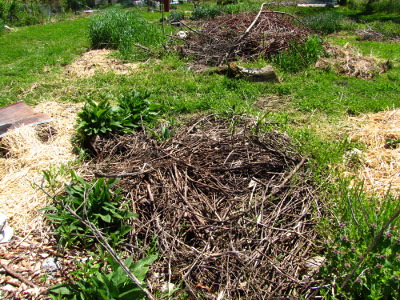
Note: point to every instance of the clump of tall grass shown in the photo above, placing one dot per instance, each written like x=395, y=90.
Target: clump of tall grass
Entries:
x=123, y=30
x=205, y=12
x=299, y=55
x=325, y=23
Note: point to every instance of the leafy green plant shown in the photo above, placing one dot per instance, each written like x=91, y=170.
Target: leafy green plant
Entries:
x=97, y=202
x=138, y=109
x=299, y=56
x=134, y=111
x=326, y=22
x=205, y=12
x=97, y=280
x=100, y=119
x=123, y=30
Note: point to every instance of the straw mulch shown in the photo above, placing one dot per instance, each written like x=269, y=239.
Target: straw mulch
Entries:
x=232, y=211
x=348, y=61
x=99, y=61
x=381, y=160
x=272, y=33
x=26, y=151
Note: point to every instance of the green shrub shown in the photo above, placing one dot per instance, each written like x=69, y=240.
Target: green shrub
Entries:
x=326, y=22
x=299, y=56
x=104, y=280
x=121, y=30
x=97, y=202
x=205, y=12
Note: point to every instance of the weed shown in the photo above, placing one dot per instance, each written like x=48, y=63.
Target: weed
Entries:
x=360, y=220
x=299, y=56
x=94, y=201
x=121, y=30
x=98, y=280
x=163, y=134
x=327, y=22
x=205, y=12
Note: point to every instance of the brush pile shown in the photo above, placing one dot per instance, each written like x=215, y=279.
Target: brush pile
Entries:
x=214, y=42
x=231, y=210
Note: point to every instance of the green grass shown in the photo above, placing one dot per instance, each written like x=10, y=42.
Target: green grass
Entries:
x=33, y=54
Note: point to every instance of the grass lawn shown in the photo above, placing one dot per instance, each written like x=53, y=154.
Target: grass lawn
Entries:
x=34, y=53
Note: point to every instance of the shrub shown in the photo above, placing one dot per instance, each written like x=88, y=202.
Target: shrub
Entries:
x=95, y=202
x=326, y=23
x=299, y=56
x=121, y=30
x=205, y=12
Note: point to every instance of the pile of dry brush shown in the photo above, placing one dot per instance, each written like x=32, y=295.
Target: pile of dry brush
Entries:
x=231, y=210
x=232, y=36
